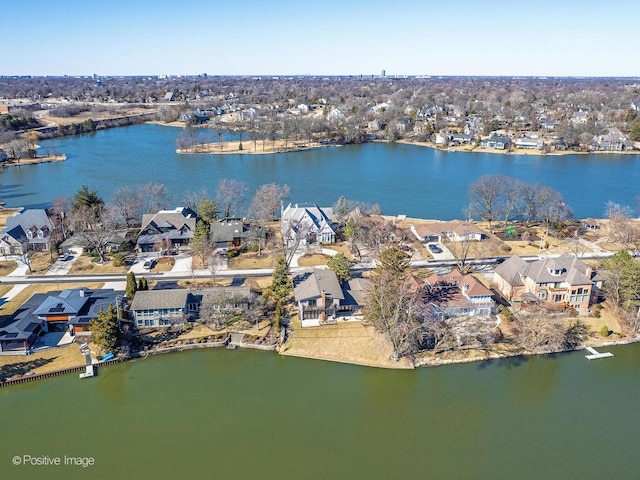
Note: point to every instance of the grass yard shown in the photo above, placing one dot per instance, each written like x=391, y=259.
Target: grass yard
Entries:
x=7, y=267
x=42, y=362
x=40, y=263
x=85, y=265
x=349, y=342
x=246, y=261
x=313, y=260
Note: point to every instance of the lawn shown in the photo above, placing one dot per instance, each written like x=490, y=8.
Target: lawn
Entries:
x=7, y=267
x=85, y=265
x=349, y=342
x=41, y=362
x=40, y=263
x=313, y=260
x=246, y=261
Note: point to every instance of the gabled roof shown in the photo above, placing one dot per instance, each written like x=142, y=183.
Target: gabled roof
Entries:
x=172, y=224
x=319, y=219
x=67, y=302
x=311, y=283
x=466, y=283
x=568, y=268
x=459, y=227
x=160, y=299
x=226, y=230
x=17, y=226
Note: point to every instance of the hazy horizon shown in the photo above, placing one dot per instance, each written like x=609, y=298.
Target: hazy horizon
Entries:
x=329, y=38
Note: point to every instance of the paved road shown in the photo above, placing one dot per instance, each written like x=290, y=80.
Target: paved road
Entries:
x=486, y=263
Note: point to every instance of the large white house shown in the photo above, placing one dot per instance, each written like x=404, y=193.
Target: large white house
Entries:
x=308, y=223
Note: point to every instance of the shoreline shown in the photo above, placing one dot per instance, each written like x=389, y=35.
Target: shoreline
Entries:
x=416, y=364
x=34, y=161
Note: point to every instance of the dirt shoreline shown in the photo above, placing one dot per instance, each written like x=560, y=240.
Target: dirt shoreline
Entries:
x=34, y=161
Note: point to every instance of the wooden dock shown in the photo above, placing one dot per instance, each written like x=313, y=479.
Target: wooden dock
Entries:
x=595, y=354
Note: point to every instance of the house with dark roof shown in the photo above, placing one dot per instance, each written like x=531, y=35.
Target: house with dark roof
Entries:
x=165, y=308
x=166, y=229
x=161, y=308
x=318, y=295
x=561, y=280
x=229, y=232
x=496, y=143
x=69, y=310
x=29, y=230
x=458, y=295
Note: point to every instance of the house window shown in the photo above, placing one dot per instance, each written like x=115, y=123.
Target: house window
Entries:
x=29, y=234
x=558, y=298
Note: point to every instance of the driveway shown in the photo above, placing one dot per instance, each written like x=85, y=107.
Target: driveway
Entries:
x=61, y=267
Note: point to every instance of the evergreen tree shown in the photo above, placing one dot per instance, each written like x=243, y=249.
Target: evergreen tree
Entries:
x=132, y=286
x=104, y=330
x=280, y=287
x=393, y=260
x=341, y=265
x=208, y=211
x=143, y=284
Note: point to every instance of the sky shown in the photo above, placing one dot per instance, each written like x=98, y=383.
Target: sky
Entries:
x=329, y=37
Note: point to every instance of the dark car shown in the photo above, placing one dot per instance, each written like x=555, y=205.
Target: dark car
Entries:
x=149, y=264
x=434, y=248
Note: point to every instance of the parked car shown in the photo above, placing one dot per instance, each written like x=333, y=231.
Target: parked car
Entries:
x=149, y=264
x=64, y=257
x=434, y=248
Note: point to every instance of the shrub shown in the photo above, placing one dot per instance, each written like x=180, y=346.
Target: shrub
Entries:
x=506, y=314
x=119, y=259
x=597, y=314
x=604, y=331
x=232, y=253
x=254, y=248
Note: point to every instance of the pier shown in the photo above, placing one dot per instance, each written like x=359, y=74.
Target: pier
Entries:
x=595, y=354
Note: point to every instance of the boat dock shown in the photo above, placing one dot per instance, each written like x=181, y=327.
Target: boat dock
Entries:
x=595, y=354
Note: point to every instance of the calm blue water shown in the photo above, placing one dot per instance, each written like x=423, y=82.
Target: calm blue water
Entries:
x=416, y=181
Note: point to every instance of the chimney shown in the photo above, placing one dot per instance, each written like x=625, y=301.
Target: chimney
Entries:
x=323, y=305
x=81, y=293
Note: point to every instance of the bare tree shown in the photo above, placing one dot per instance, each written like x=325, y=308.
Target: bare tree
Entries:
x=193, y=198
x=395, y=308
x=620, y=226
x=265, y=206
x=98, y=232
x=486, y=197
x=541, y=332
x=153, y=197
x=128, y=202
x=229, y=196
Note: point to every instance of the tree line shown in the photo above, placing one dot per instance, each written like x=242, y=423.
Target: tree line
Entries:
x=501, y=198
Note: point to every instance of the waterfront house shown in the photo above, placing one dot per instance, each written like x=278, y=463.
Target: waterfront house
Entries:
x=318, y=294
x=560, y=280
x=161, y=308
x=308, y=222
x=614, y=141
x=496, y=143
x=69, y=310
x=455, y=231
x=458, y=295
x=531, y=143
x=167, y=227
x=228, y=232
x=29, y=230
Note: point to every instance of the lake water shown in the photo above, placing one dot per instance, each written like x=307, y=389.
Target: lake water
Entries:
x=407, y=179
x=251, y=414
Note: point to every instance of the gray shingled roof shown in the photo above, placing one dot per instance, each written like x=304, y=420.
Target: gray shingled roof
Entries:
x=311, y=283
x=160, y=299
x=573, y=271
